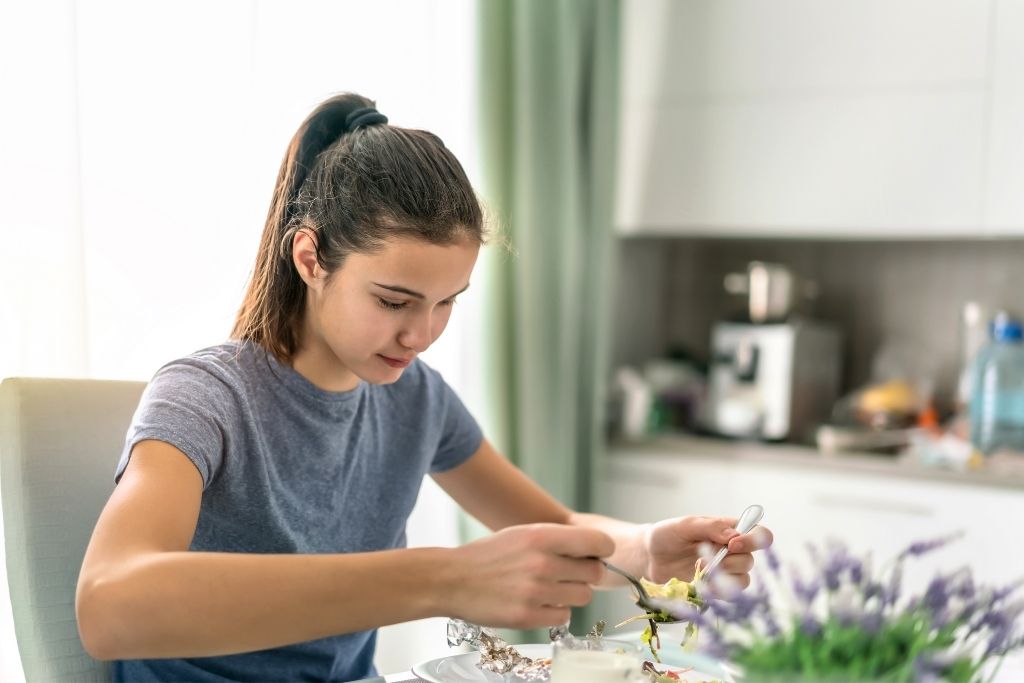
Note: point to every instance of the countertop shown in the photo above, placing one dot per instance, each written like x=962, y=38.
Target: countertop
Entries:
x=1002, y=472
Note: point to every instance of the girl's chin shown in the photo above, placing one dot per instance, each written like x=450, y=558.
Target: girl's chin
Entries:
x=381, y=374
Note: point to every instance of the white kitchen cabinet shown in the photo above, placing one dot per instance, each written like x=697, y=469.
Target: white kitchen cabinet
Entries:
x=869, y=511
x=883, y=516
x=1005, y=188
x=660, y=486
x=808, y=499
x=813, y=118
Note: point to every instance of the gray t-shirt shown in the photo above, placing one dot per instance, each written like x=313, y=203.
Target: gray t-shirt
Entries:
x=290, y=468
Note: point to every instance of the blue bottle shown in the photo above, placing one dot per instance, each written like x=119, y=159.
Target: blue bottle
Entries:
x=997, y=394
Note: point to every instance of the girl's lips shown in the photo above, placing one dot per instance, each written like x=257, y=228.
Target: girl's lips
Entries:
x=395, y=362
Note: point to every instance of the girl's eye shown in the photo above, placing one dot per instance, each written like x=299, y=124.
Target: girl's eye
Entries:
x=448, y=302
x=391, y=305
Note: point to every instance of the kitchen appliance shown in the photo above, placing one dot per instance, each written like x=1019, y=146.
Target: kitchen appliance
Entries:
x=773, y=291
x=773, y=381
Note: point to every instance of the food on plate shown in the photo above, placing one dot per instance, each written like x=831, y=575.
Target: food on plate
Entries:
x=498, y=657
x=678, y=598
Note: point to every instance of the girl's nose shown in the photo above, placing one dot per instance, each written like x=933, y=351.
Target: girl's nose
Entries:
x=417, y=334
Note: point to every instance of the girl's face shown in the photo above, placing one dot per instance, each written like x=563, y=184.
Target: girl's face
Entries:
x=378, y=311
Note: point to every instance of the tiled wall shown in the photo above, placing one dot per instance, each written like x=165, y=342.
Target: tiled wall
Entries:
x=910, y=294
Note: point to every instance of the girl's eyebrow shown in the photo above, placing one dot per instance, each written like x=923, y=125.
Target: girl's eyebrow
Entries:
x=406, y=290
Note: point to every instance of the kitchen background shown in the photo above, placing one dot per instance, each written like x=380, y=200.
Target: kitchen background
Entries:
x=910, y=293
x=875, y=147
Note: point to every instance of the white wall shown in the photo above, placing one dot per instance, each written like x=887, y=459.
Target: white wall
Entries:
x=139, y=143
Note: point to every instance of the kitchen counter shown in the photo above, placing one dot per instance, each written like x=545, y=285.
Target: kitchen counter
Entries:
x=875, y=505
x=1003, y=472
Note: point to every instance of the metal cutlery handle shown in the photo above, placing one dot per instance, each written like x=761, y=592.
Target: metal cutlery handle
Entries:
x=747, y=521
x=628, y=577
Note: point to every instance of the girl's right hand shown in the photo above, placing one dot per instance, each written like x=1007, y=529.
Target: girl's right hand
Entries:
x=526, y=576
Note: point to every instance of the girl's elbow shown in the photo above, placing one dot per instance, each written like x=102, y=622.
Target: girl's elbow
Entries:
x=94, y=610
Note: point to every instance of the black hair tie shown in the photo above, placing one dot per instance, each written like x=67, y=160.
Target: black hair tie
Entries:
x=364, y=116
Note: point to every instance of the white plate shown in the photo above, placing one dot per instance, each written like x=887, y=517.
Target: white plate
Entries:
x=462, y=668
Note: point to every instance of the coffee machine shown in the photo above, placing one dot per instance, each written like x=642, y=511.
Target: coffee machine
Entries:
x=773, y=381
x=773, y=374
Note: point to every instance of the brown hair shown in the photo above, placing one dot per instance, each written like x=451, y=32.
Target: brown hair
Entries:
x=353, y=190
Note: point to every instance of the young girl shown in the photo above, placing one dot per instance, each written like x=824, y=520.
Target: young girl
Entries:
x=257, y=529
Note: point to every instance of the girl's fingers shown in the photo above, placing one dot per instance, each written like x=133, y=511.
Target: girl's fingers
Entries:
x=758, y=538
x=739, y=563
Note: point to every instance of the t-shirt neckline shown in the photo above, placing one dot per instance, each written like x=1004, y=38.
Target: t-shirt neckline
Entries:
x=296, y=382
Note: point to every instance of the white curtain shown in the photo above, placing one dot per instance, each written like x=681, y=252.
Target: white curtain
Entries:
x=139, y=143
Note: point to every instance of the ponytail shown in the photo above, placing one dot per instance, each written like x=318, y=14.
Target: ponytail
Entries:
x=354, y=183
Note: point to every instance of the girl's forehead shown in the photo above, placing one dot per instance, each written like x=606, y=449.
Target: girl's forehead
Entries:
x=412, y=259
x=410, y=250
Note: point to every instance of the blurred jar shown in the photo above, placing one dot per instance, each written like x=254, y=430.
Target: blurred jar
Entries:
x=974, y=335
x=997, y=395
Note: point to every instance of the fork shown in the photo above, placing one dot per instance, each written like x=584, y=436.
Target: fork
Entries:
x=559, y=632
x=644, y=600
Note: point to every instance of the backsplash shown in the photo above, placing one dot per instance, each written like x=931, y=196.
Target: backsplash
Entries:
x=669, y=293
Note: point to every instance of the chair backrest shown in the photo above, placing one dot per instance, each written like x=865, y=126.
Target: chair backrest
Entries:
x=59, y=444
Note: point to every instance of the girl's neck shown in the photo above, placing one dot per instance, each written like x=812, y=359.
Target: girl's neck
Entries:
x=318, y=364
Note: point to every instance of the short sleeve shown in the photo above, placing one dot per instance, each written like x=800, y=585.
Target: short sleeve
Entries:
x=461, y=436
x=189, y=407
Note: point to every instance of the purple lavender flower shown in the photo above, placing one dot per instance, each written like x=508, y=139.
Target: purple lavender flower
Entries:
x=936, y=595
x=678, y=609
x=716, y=648
x=954, y=621
x=1001, y=622
x=771, y=626
x=963, y=584
x=892, y=591
x=922, y=547
x=1007, y=590
x=871, y=621
x=806, y=592
x=809, y=625
x=856, y=570
x=832, y=571
x=943, y=617
x=685, y=612
x=772, y=559
x=873, y=589
x=999, y=639
x=739, y=608
x=970, y=607
x=1014, y=644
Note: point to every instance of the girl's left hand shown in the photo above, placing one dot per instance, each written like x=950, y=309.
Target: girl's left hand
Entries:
x=673, y=546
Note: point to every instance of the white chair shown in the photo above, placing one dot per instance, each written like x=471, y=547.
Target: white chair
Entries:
x=59, y=443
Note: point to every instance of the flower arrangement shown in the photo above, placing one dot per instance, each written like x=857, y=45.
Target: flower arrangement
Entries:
x=846, y=623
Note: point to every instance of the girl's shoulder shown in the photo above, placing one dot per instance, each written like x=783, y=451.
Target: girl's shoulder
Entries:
x=224, y=368
x=230, y=357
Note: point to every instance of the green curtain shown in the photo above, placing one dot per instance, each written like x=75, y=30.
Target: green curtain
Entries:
x=549, y=111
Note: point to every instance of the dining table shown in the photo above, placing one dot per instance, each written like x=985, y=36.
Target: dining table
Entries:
x=1011, y=671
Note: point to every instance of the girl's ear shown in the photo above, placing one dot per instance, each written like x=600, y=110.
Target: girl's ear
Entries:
x=304, y=258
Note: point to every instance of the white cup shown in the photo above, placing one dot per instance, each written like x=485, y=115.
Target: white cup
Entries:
x=604, y=661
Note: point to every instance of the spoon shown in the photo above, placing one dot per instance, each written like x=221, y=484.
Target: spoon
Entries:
x=747, y=521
